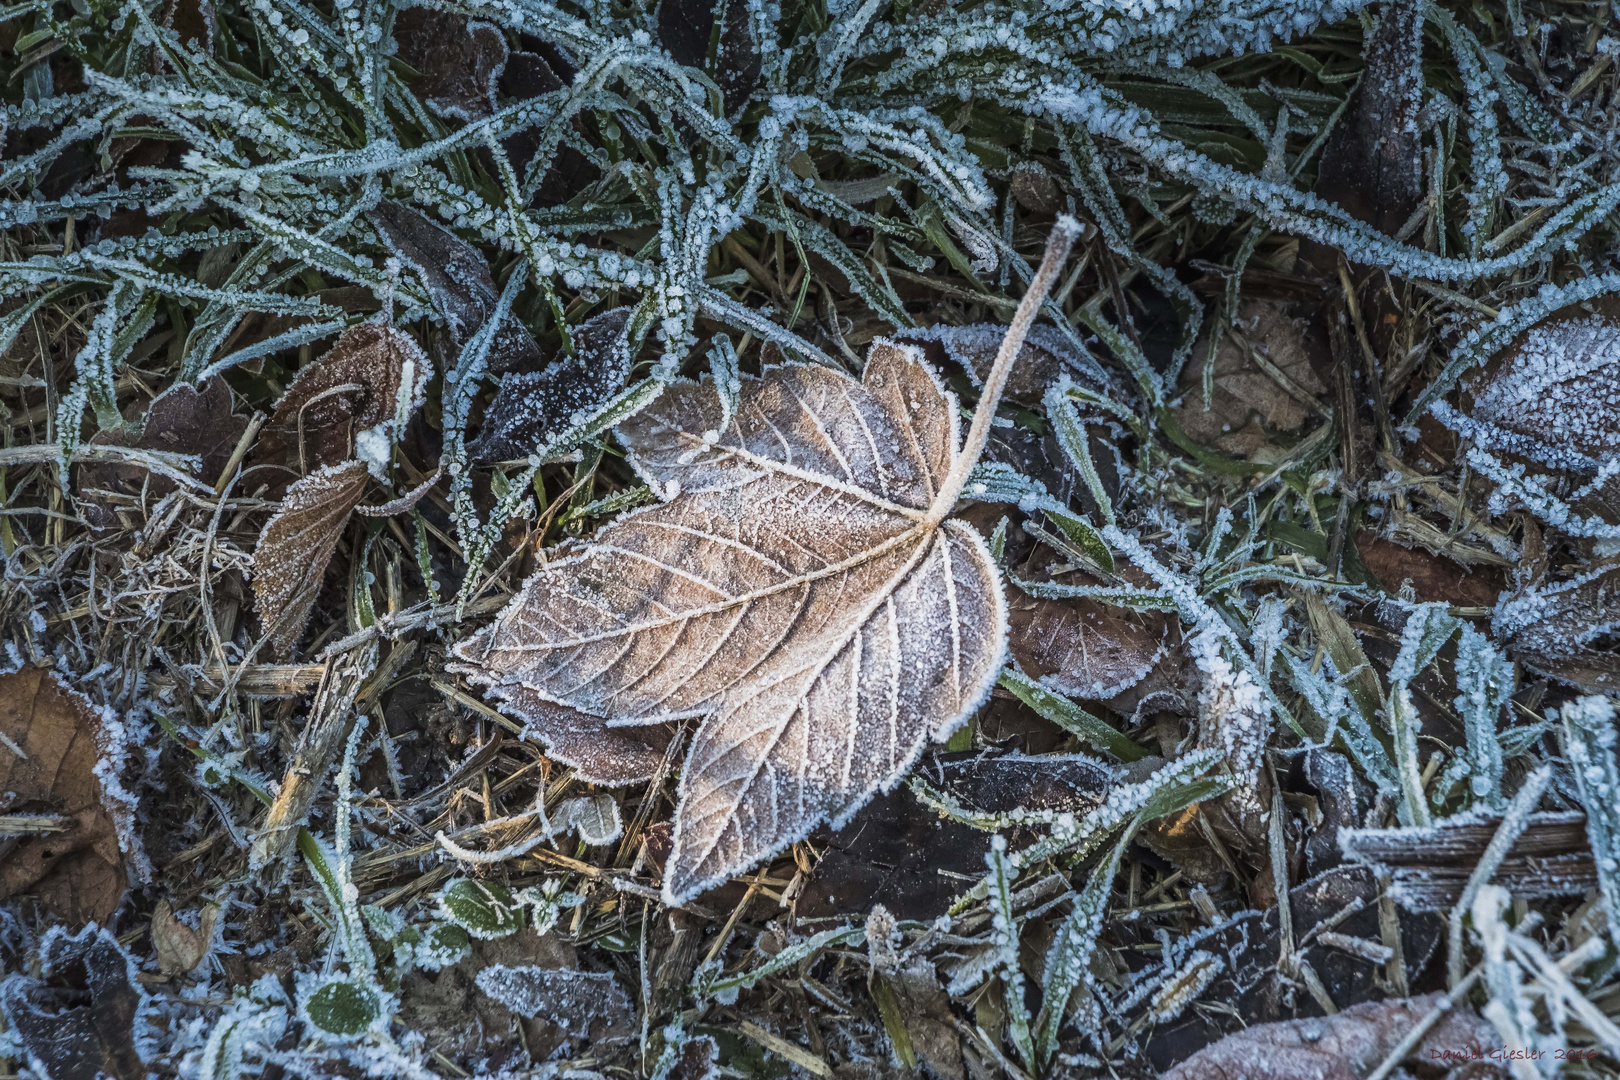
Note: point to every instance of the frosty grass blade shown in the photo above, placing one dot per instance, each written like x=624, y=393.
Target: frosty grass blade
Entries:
x=799, y=589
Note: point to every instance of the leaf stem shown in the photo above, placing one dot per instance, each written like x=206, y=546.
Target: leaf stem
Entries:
x=1064, y=233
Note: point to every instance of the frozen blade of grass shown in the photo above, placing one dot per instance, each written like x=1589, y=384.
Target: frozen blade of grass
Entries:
x=1514, y=820
x=1004, y=938
x=1589, y=740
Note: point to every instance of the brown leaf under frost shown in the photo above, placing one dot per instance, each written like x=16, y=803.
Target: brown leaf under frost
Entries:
x=1083, y=648
x=297, y=544
x=79, y=873
x=793, y=590
x=373, y=375
x=1345, y=1046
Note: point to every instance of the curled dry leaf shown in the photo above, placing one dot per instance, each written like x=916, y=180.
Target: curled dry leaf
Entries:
x=77, y=873
x=594, y=817
x=798, y=590
x=179, y=947
x=458, y=281
x=1345, y=1046
x=352, y=402
x=532, y=408
x=612, y=757
x=1559, y=630
x=296, y=545
x=181, y=420
x=459, y=60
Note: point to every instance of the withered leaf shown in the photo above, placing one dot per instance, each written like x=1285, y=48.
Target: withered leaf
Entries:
x=533, y=407
x=80, y=1022
x=296, y=545
x=458, y=281
x=351, y=401
x=599, y=754
x=459, y=60
x=1248, y=402
x=1345, y=1046
x=1083, y=648
x=181, y=420
x=585, y=1004
x=1561, y=630
x=685, y=28
x=179, y=947
x=797, y=590
x=78, y=874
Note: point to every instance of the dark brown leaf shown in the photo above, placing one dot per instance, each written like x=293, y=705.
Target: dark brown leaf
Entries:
x=1562, y=630
x=296, y=545
x=1346, y=1046
x=363, y=389
x=532, y=408
x=686, y=27
x=601, y=755
x=1082, y=648
x=458, y=281
x=79, y=1024
x=78, y=874
x=459, y=60
x=1045, y=356
x=181, y=420
x=1248, y=403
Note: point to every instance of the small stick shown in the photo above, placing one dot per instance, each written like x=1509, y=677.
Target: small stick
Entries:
x=1064, y=233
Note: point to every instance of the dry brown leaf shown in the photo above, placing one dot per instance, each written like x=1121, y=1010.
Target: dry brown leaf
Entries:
x=799, y=589
x=349, y=403
x=296, y=545
x=181, y=420
x=1046, y=355
x=79, y=1021
x=1562, y=630
x=1248, y=402
x=796, y=590
x=458, y=282
x=459, y=60
x=1345, y=1046
x=600, y=754
x=78, y=874
x=1082, y=648
x=180, y=948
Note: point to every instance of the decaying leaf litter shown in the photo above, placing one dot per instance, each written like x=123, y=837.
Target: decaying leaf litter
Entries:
x=502, y=579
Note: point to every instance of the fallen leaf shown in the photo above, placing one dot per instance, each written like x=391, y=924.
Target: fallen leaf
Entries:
x=79, y=1020
x=1082, y=648
x=77, y=874
x=532, y=408
x=1562, y=630
x=181, y=420
x=527, y=76
x=1247, y=403
x=459, y=60
x=290, y=559
x=925, y=1009
x=599, y=754
x=352, y=402
x=1372, y=165
x=796, y=589
x=458, y=282
x=586, y=1005
x=1061, y=783
x=1345, y=1046
x=697, y=1059
x=686, y=27
x=1433, y=578
x=179, y=947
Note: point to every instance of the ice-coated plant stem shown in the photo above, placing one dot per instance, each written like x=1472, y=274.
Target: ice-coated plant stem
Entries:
x=1064, y=233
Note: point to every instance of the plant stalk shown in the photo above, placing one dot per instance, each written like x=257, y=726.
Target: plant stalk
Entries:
x=1064, y=233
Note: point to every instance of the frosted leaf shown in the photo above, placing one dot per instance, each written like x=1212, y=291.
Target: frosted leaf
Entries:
x=533, y=408
x=485, y=909
x=1553, y=396
x=594, y=817
x=798, y=594
x=576, y=1001
x=373, y=377
x=599, y=754
x=342, y=1007
x=1485, y=685
x=1557, y=629
x=1046, y=356
x=1184, y=986
x=1083, y=648
x=86, y=1015
x=1235, y=718
x=458, y=282
x=295, y=546
x=459, y=60
x=1428, y=628
x=685, y=28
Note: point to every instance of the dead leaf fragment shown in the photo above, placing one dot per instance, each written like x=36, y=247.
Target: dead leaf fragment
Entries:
x=1082, y=648
x=79, y=1023
x=584, y=1004
x=458, y=282
x=459, y=60
x=364, y=388
x=532, y=408
x=296, y=545
x=685, y=28
x=78, y=874
x=181, y=420
x=1249, y=402
x=179, y=947
x=793, y=590
x=1345, y=1046
x=1046, y=355
x=599, y=754
x=1561, y=630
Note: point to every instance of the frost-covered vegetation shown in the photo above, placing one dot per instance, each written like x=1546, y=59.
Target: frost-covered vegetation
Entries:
x=531, y=551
